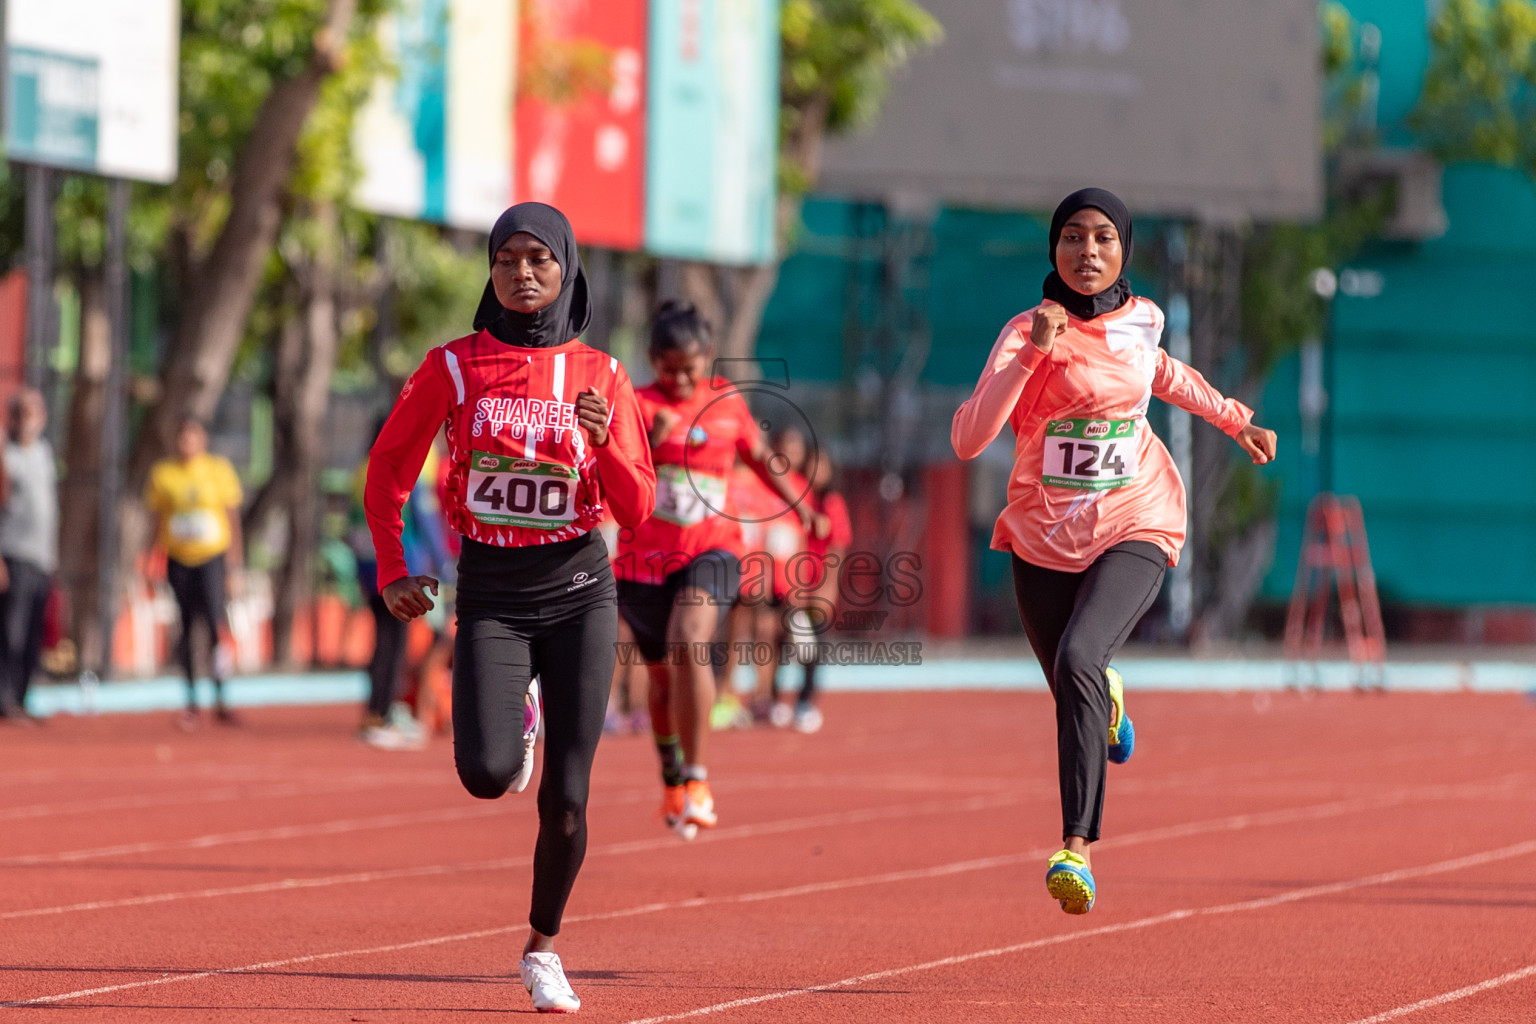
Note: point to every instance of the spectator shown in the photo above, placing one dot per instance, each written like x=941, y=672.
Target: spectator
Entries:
x=196, y=498
x=29, y=541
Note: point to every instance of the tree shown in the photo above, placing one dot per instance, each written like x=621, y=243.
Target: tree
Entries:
x=283, y=51
x=251, y=74
x=1479, y=98
x=836, y=61
x=314, y=260
x=1253, y=303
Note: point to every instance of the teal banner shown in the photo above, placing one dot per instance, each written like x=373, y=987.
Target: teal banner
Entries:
x=712, y=130
x=53, y=108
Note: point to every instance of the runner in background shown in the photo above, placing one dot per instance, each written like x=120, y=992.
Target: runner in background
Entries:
x=195, y=498
x=627, y=711
x=784, y=539
x=678, y=572
x=429, y=681
x=750, y=504
x=543, y=434
x=1095, y=511
x=814, y=594
x=388, y=720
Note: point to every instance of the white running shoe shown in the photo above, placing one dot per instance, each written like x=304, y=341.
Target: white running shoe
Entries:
x=387, y=737
x=780, y=715
x=402, y=720
x=544, y=979
x=807, y=718
x=531, y=712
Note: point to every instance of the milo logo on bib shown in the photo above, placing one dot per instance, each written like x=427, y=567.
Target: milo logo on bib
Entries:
x=1089, y=455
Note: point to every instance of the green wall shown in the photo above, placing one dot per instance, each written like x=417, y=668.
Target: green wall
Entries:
x=1434, y=406
x=1433, y=419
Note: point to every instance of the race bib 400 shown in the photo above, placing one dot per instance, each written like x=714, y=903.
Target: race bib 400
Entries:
x=504, y=491
x=1089, y=455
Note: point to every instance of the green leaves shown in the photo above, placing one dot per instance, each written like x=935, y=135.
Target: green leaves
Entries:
x=1479, y=99
x=839, y=53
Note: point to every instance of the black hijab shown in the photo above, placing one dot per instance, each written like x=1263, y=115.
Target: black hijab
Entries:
x=561, y=320
x=1086, y=307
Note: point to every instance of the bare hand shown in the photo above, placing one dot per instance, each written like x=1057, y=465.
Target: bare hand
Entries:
x=662, y=426
x=815, y=524
x=1048, y=321
x=592, y=413
x=1257, y=442
x=407, y=597
x=234, y=584
x=5, y=577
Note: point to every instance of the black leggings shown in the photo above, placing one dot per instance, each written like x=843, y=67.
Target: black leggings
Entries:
x=199, y=591
x=22, y=607
x=1075, y=622
x=494, y=657
x=388, y=662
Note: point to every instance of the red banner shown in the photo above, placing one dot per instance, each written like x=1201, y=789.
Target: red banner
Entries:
x=580, y=118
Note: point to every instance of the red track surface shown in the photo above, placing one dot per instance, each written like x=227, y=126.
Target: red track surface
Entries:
x=1290, y=858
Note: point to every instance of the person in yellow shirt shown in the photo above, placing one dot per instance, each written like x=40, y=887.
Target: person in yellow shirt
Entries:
x=195, y=498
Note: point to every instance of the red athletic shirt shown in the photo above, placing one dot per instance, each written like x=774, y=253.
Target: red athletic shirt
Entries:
x=840, y=532
x=771, y=531
x=693, y=481
x=522, y=472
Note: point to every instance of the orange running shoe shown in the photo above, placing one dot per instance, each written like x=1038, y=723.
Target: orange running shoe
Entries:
x=674, y=802
x=699, y=810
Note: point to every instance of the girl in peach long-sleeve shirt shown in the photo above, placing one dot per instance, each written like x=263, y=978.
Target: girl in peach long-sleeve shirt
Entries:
x=1095, y=511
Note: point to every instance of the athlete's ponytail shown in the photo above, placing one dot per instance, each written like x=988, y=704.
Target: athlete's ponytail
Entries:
x=678, y=326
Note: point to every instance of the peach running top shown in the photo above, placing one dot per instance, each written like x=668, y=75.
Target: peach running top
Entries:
x=1088, y=473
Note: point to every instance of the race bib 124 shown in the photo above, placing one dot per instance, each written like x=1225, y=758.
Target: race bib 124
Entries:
x=1089, y=455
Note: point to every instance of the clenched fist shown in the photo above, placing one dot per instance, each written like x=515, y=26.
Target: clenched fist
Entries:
x=661, y=427
x=592, y=413
x=1257, y=442
x=1049, y=321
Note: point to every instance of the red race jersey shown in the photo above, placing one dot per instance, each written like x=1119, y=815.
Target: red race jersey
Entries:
x=840, y=532
x=771, y=531
x=693, y=481
x=521, y=469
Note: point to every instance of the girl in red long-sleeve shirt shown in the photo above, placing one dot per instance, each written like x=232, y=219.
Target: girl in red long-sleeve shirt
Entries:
x=543, y=434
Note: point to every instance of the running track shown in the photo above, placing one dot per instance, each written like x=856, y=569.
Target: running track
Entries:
x=1337, y=859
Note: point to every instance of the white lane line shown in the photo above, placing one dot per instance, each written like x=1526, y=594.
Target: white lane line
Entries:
x=505, y=863
x=1231, y=823
x=280, y=885
x=1384, y=878
x=323, y=828
x=1450, y=997
x=484, y=933
x=173, y=772
x=144, y=801
x=264, y=788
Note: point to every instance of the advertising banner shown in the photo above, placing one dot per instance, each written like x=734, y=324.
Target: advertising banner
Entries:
x=435, y=138
x=712, y=165
x=91, y=85
x=586, y=153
